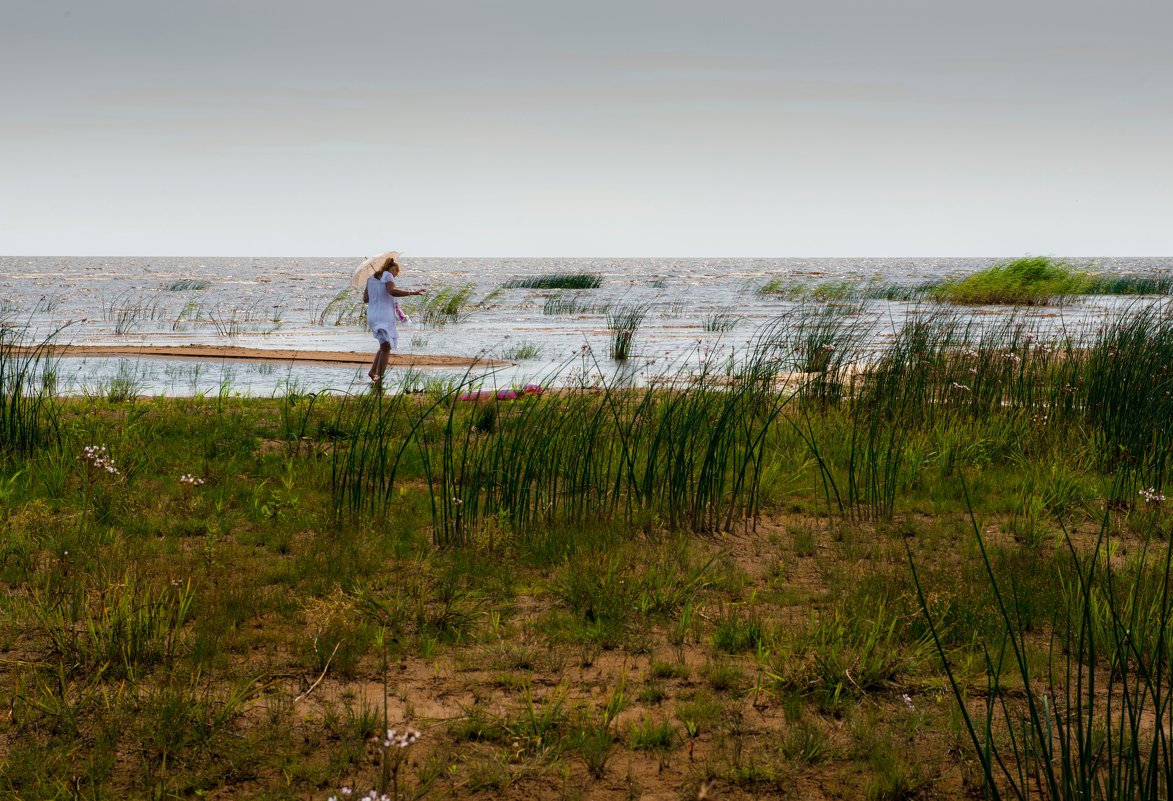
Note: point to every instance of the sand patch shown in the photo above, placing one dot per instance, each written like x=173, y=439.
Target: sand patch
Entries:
x=234, y=353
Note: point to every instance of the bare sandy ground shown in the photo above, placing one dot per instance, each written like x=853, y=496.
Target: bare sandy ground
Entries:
x=230, y=352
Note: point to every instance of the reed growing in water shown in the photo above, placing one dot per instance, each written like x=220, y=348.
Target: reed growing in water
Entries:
x=557, y=281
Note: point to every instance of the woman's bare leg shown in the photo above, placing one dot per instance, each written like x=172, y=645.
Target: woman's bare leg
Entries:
x=381, y=358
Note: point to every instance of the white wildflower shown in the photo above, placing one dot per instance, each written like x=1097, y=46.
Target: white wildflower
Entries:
x=1151, y=495
x=99, y=458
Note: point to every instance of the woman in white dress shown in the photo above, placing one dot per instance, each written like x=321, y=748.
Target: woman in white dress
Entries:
x=379, y=295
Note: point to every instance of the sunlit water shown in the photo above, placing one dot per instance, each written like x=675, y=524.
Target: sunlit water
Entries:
x=304, y=304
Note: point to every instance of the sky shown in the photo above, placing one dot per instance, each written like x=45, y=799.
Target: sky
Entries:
x=609, y=128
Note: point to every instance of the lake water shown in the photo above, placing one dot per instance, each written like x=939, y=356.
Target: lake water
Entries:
x=304, y=304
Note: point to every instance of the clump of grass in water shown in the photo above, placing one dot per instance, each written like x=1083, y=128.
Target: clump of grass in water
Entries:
x=557, y=281
x=846, y=289
x=345, y=308
x=720, y=320
x=192, y=312
x=129, y=309
x=623, y=321
x=187, y=284
x=1131, y=284
x=822, y=290
x=561, y=304
x=442, y=307
x=521, y=351
x=1032, y=281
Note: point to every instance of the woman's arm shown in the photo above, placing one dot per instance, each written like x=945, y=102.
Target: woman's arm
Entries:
x=403, y=293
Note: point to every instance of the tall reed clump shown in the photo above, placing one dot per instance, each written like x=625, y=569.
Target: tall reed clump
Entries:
x=691, y=457
x=1093, y=720
x=1031, y=281
x=939, y=372
x=28, y=412
x=557, y=281
x=345, y=308
x=1126, y=382
x=442, y=307
x=1130, y=284
x=623, y=320
x=128, y=309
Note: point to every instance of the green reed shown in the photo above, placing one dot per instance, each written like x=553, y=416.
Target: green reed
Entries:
x=442, y=307
x=691, y=452
x=1131, y=284
x=186, y=284
x=720, y=320
x=557, y=281
x=691, y=456
x=345, y=308
x=28, y=413
x=560, y=303
x=847, y=290
x=520, y=351
x=126, y=311
x=938, y=372
x=1093, y=721
x=1125, y=379
x=1031, y=281
x=623, y=320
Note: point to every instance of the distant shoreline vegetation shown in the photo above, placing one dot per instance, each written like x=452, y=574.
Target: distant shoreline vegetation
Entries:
x=1031, y=281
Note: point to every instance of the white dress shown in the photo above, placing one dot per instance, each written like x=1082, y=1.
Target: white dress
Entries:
x=381, y=310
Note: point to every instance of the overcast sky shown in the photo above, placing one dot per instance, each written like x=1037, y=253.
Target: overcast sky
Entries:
x=591, y=128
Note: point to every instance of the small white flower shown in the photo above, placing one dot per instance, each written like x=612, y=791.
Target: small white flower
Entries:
x=1151, y=495
x=907, y=700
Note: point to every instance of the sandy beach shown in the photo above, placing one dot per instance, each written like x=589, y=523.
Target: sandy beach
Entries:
x=234, y=353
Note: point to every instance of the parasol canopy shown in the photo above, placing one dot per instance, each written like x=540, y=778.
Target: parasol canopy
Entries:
x=370, y=266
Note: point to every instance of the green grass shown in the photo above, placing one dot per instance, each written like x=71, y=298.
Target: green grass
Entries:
x=601, y=587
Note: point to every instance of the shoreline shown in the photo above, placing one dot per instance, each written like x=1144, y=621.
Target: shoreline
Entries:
x=237, y=353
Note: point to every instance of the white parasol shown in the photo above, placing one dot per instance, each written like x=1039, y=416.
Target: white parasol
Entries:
x=369, y=266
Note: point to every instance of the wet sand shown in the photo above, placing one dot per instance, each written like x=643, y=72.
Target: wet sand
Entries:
x=233, y=353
